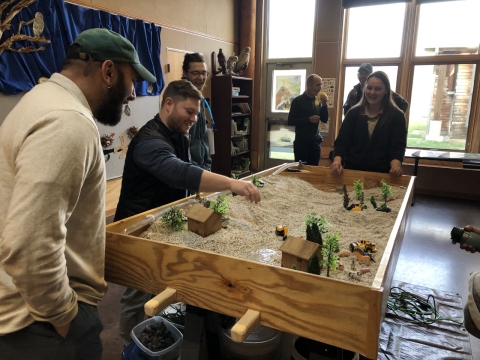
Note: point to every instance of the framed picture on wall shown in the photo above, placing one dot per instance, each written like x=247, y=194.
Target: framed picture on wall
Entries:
x=287, y=85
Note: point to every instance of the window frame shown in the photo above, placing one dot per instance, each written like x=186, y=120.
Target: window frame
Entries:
x=406, y=64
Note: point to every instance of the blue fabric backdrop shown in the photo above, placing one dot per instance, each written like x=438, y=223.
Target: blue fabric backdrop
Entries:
x=63, y=22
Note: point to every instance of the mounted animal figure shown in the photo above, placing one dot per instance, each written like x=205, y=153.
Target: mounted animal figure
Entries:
x=363, y=256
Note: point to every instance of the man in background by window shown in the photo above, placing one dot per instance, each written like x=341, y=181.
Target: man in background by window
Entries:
x=195, y=70
x=356, y=93
x=305, y=116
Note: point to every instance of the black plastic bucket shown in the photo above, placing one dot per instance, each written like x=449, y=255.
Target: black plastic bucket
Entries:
x=302, y=347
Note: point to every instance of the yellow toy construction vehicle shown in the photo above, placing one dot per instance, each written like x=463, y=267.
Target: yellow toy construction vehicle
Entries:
x=363, y=244
x=281, y=230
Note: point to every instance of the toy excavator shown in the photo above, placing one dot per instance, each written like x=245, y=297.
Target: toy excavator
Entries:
x=365, y=245
x=281, y=230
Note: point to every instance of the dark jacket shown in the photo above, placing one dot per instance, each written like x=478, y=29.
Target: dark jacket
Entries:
x=157, y=170
x=300, y=111
x=359, y=152
x=356, y=93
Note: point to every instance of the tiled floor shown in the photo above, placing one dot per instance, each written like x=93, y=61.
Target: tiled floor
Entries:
x=427, y=258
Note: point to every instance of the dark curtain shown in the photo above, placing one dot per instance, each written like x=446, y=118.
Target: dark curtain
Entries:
x=357, y=3
x=63, y=22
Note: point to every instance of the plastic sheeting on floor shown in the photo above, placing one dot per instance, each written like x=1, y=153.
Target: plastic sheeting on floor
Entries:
x=401, y=340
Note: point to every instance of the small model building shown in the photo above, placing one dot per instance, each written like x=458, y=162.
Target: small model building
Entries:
x=297, y=251
x=203, y=221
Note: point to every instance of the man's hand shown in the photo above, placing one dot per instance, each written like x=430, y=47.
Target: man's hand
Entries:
x=336, y=167
x=62, y=330
x=469, y=248
x=314, y=119
x=247, y=189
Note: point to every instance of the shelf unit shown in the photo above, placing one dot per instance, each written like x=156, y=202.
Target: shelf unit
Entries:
x=226, y=108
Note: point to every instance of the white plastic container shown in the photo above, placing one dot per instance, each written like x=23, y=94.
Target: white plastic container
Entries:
x=170, y=353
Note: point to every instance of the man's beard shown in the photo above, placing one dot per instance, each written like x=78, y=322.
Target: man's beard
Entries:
x=175, y=122
x=110, y=112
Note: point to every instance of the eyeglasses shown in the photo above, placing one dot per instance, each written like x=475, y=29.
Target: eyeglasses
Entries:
x=199, y=73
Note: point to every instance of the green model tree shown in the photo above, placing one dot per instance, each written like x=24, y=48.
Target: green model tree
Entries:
x=329, y=252
x=346, y=199
x=321, y=221
x=359, y=194
x=313, y=234
x=314, y=265
x=317, y=235
x=373, y=202
x=386, y=194
x=174, y=219
x=257, y=182
x=220, y=205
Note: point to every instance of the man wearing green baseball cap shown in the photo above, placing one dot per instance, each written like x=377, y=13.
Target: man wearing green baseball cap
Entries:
x=52, y=214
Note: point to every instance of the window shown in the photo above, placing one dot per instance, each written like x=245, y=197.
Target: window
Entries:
x=375, y=31
x=290, y=29
x=437, y=65
x=440, y=106
x=448, y=28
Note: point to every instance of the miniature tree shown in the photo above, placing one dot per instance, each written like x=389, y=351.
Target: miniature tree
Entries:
x=220, y=205
x=346, y=199
x=257, y=182
x=359, y=194
x=314, y=265
x=386, y=194
x=321, y=221
x=309, y=233
x=329, y=250
x=373, y=202
x=317, y=235
x=174, y=219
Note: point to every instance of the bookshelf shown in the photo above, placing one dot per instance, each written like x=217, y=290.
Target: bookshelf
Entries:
x=233, y=125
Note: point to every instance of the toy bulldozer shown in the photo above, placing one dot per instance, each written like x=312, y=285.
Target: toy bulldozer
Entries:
x=281, y=230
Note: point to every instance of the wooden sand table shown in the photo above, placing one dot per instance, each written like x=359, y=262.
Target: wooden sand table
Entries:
x=250, y=232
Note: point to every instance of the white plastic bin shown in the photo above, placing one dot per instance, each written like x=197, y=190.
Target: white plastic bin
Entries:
x=170, y=353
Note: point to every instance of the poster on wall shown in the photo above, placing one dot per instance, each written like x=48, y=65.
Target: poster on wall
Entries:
x=287, y=85
x=329, y=87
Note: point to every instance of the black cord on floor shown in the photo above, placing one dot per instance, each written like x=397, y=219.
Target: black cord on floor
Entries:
x=415, y=309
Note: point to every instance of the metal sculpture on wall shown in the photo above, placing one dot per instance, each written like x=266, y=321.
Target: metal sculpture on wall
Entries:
x=37, y=25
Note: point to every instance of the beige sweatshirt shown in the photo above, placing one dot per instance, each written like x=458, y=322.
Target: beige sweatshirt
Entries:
x=52, y=217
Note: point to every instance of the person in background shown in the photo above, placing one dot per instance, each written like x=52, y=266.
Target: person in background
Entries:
x=373, y=135
x=158, y=171
x=471, y=311
x=195, y=70
x=52, y=213
x=305, y=116
x=356, y=93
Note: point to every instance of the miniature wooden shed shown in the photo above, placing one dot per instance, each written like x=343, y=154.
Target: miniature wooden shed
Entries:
x=297, y=251
x=203, y=221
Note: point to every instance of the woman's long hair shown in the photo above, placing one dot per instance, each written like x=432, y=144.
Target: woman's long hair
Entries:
x=387, y=102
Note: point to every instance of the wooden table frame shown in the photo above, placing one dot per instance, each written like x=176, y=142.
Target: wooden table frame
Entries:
x=336, y=312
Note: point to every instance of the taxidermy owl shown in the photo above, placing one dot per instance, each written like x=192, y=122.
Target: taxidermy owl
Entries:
x=38, y=25
x=243, y=60
x=222, y=62
x=232, y=60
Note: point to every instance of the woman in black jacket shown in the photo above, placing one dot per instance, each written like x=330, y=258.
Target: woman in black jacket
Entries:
x=373, y=136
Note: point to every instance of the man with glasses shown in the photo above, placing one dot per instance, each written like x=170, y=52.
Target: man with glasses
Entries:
x=195, y=70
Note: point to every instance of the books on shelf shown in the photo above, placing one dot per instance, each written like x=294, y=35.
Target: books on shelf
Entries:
x=245, y=108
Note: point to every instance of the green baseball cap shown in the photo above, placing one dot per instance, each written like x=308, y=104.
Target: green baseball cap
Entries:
x=103, y=44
